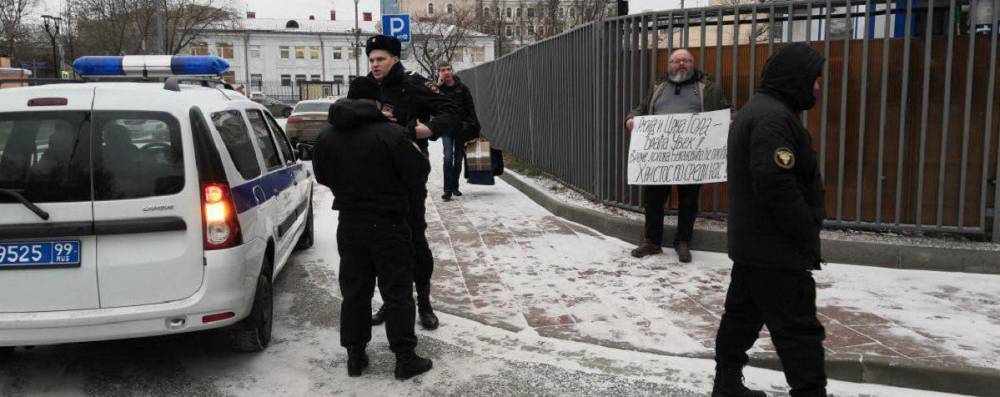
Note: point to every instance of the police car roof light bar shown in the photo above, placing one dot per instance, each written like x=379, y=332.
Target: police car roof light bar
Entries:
x=149, y=66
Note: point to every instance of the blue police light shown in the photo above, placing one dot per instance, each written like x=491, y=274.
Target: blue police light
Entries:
x=150, y=65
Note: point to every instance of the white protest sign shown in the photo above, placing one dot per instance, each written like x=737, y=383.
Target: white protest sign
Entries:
x=679, y=149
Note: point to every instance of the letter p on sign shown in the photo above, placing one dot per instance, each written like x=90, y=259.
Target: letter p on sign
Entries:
x=397, y=26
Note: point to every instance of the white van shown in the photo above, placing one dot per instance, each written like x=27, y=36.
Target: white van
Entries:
x=136, y=209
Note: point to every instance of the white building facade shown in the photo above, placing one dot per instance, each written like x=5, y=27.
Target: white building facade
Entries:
x=274, y=55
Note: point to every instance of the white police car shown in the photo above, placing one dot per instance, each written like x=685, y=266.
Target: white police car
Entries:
x=132, y=209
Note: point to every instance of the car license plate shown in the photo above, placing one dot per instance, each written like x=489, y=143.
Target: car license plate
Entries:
x=47, y=254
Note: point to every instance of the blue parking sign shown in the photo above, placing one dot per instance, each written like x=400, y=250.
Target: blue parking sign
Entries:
x=397, y=26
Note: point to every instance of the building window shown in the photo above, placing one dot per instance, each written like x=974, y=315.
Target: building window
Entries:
x=199, y=48
x=299, y=78
x=478, y=54
x=333, y=15
x=337, y=54
x=572, y=12
x=531, y=12
x=519, y=12
x=224, y=50
x=518, y=30
x=531, y=29
x=300, y=52
x=508, y=31
x=286, y=80
x=254, y=51
x=284, y=51
x=508, y=12
x=338, y=79
x=256, y=81
x=430, y=8
x=367, y=16
x=486, y=11
x=451, y=9
x=314, y=77
x=314, y=52
x=562, y=12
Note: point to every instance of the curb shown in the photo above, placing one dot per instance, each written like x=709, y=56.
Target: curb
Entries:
x=888, y=252
x=859, y=368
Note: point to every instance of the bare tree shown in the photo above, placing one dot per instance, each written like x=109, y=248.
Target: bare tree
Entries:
x=129, y=26
x=12, y=26
x=762, y=31
x=533, y=20
x=442, y=38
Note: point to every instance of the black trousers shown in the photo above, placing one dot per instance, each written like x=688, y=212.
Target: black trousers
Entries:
x=784, y=300
x=370, y=252
x=654, y=197
x=423, y=260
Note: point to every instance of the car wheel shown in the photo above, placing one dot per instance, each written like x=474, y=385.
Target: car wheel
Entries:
x=306, y=239
x=6, y=352
x=253, y=334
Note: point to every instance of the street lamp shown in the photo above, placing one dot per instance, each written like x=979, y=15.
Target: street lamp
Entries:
x=357, y=41
x=52, y=25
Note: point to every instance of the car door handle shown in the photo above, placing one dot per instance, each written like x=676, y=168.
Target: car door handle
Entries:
x=259, y=198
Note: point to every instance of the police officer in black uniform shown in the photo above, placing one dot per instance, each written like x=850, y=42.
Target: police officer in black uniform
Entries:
x=413, y=102
x=372, y=168
x=775, y=216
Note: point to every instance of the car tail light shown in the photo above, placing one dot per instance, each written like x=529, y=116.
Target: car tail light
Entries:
x=222, y=227
x=294, y=120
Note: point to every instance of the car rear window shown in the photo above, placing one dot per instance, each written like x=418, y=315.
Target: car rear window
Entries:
x=45, y=156
x=309, y=107
x=136, y=155
x=236, y=137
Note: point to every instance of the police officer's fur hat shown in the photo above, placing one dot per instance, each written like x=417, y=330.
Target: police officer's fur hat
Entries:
x=383, y=42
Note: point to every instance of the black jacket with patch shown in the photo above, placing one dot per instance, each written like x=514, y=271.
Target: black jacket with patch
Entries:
x=413, y=97
x=469, y=127
x=776, y=207
x=369, y=163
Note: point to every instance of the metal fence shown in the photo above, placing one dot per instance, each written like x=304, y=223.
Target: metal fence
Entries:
x=907, y=128
x=291, y=92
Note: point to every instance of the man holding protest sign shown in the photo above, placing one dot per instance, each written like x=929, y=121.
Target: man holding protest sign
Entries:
x=685, y=90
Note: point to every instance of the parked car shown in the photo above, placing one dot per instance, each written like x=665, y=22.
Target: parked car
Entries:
x=308, y=119
x=133, y=209
x=276, y=107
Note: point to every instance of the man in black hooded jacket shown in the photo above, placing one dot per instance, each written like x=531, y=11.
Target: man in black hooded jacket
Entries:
x=373, y=169
x=775, y=217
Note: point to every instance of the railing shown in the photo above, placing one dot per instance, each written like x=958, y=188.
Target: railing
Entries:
x=906, y=129
x=294, y=91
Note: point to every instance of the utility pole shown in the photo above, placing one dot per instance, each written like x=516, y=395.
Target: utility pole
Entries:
x=357, y=42
x=161, y=36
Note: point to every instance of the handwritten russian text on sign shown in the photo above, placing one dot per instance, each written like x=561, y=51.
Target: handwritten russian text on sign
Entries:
x=679, y=149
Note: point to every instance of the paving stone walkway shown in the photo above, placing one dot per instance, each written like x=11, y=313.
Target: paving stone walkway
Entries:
x=504, y=261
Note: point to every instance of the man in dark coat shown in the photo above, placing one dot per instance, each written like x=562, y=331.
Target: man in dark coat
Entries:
x=372, y=169
x=775, y=217
x=454, y=144
x=413, y=102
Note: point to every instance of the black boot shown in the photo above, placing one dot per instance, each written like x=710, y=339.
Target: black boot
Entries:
x=428, y=319
x=357, y=360
x=729, y=383
x=456, y=193
x=409, y=364
x=379, y=317
x=446, y=196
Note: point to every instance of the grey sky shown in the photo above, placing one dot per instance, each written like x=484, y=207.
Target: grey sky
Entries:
x=273, y=8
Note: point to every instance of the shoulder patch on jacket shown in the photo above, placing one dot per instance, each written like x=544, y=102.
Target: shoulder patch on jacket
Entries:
x=784, y=158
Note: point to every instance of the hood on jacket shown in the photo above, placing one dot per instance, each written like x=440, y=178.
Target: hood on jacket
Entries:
x=790, y=73
x=348, y=114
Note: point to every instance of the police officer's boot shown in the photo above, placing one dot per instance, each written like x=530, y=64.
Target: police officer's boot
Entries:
x=409, y=364
x=357, y=360
x=428, y=319
x=729, y=383
x=379, y=317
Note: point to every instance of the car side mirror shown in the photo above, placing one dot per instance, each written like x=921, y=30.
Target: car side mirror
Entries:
x=305, y=151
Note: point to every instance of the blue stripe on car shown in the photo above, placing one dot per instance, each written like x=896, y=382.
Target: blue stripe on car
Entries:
x=272, y=184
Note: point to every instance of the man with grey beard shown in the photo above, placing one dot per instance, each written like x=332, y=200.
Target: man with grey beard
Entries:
x=684, y=90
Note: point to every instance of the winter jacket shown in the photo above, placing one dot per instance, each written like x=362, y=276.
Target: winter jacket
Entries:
x=369, y=163
x=469, y=123
x=412, y=98
x=776, y=207
x=712, y=98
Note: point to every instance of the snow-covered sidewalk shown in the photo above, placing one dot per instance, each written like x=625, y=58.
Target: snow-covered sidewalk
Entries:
x=505, y=261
